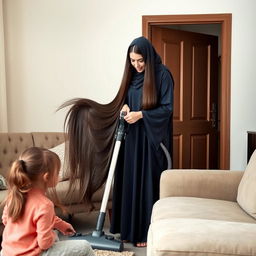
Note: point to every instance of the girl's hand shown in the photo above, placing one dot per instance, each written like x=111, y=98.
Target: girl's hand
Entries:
x=133, y=117
x=126, y=109
x=69, y=231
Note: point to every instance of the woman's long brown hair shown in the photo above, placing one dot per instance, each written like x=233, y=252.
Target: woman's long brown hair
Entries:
x=91, y=127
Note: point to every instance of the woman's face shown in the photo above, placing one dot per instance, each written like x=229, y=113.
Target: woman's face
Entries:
x=137, y=61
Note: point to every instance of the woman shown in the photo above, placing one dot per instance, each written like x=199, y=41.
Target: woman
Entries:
x=149, y=104
x=146, y=94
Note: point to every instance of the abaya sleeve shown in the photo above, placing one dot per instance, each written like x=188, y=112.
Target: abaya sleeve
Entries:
x=157, y=121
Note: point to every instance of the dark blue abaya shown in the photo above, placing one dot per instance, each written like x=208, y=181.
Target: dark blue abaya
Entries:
x=141, y=159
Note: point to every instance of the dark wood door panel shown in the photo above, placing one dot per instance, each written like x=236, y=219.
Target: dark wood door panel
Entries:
x=199, y=148
x=175, y=65
x=193, y=61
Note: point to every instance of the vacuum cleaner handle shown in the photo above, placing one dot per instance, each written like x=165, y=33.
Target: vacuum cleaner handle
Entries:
x=121, y=127
x=119, y=136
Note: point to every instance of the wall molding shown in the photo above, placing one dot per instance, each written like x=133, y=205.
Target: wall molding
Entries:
x=3, y=94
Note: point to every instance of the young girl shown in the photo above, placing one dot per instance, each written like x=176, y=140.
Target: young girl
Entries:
x=29, y=216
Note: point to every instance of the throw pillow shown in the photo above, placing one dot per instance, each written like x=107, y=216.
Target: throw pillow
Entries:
x=2, y=183
x=246, y=194
x=60, y=151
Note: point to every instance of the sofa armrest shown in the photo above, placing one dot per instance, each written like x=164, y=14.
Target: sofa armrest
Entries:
x=212, y=184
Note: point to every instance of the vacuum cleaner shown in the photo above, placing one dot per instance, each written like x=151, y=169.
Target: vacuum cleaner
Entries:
x=97, y=238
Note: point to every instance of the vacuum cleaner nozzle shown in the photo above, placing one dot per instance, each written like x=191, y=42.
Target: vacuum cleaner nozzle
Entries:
x=103, y=242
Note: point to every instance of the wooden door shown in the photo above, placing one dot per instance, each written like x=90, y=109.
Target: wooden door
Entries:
x=193, y=61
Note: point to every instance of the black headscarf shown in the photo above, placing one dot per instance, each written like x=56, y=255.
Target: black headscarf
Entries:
x=147, y=50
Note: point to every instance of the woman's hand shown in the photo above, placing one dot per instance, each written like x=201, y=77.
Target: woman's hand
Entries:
x=125, y=108
x=133, y=117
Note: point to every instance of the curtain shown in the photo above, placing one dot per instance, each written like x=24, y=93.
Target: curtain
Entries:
x=3, y=95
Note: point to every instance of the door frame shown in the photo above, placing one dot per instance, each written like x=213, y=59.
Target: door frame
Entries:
x=225, y=20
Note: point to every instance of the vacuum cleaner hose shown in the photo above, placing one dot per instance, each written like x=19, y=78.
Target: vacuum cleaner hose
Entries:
x=167, y=154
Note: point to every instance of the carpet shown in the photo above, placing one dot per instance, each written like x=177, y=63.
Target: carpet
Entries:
x=112, y=253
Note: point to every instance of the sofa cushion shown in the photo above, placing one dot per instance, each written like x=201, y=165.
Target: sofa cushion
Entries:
x=3, y=195
x=199, y=208
x=3, y=184
x=75, y=196
x=61, y=152
x=74, y=202
x=188, y=236
x=246, y=196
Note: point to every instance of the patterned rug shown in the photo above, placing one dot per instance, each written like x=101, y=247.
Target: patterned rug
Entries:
x=112, y=253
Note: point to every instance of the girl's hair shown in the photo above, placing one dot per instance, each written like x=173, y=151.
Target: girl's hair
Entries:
x=24, y=172
x=91, y=127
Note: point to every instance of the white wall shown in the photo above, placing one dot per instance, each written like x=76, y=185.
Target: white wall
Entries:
x=60, y=49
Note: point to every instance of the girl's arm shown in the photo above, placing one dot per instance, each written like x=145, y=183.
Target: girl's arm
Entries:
x=45, y=220
x=64, y=227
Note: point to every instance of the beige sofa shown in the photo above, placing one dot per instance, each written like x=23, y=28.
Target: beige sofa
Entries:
x=11, y=146
x=205, y=212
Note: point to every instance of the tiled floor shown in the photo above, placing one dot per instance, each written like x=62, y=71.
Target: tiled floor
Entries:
x=86, y=223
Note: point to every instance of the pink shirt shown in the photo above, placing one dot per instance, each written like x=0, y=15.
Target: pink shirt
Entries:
x=33, y=232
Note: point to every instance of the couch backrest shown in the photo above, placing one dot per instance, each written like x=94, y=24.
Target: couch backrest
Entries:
x=48, y=139
x=13, y=144
x=246, y=194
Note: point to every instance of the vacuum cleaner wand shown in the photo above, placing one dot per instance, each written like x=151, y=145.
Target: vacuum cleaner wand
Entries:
x=98, y=239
